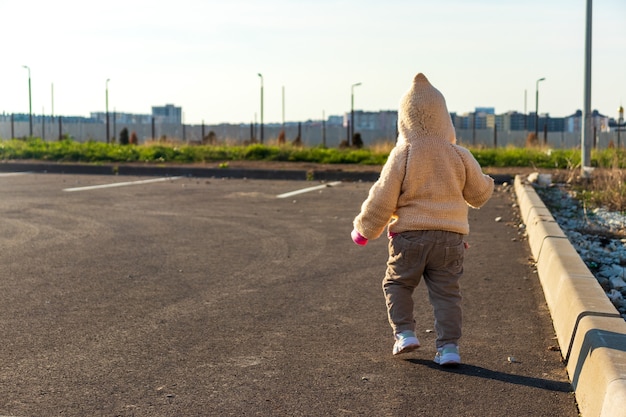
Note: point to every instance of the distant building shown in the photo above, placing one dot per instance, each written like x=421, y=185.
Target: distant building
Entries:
x=369, y=120
x=485, y=110
x=473, y=120
x=335, y=121
x=168, y=114
x=574, y=122
x=384, y=120
x=161, y=114
x=555, y=124
x=124, y=118
x=511, y=121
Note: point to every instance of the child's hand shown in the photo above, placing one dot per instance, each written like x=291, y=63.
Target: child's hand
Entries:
x=467, y=246
x=358, y=238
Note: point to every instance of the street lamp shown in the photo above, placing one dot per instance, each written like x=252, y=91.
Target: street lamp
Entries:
x=261, y=76
x=537, y=106
x=620, y=124
x=107, y=108
x=351, y=129
x=587, y=119
x=30, y=102
x=52, y=99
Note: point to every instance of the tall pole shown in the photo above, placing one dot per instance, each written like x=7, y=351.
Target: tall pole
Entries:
x=261, y=76
x=351, y=135
x=30, y=103
x=52, y=99
x=537, y=106
x=525, y=111
x=114, y=121
x=474, y=128
x=283, y=108
x=620, y=124
x=587, y=126
x=107, y=109
x=183, y=125
x=323, y=128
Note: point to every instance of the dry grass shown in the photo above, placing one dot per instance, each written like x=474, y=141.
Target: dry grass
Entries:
x=603, y=188
x=382, y=147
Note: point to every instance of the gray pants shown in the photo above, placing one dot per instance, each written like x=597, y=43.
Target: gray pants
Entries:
x=438, y=257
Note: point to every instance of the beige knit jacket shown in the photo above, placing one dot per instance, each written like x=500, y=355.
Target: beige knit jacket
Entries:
x=428, y=181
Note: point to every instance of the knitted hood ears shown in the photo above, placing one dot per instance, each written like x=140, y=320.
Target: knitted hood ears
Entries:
x=423, y=112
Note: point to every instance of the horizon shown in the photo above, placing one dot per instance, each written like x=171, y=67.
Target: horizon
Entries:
x=466, y=114
x=210, y=58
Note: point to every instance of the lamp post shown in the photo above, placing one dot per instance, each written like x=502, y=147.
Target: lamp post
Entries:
x=587, y=119
x=107, y=108
x=352, y=112
x=52, y=100
x=261, y=76
x=620, y=124
x=30, y=103
x=537, y=107
x=525, y=111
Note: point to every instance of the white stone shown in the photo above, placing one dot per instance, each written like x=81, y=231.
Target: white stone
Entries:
x=533, y=177
x=616, y=298
x=618, y=270
x=617, y=283
x=544, y=179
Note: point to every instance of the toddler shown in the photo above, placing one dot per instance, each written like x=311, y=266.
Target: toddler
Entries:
x=422, y=197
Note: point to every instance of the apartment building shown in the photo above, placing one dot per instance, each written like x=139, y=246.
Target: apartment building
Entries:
x=167, y=114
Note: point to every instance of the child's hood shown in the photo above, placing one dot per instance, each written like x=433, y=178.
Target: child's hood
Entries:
x=423, y=113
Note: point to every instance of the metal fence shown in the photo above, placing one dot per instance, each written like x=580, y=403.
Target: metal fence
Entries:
x=310, y=134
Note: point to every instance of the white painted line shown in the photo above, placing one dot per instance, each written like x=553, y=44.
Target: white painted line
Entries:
x=13, y=174
x=120, y=184
x=306, y=190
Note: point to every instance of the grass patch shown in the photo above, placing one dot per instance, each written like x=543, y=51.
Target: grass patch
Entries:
x=158, y=152
x=605, y=188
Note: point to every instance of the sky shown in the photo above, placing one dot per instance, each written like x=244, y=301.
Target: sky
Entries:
x=206, y=56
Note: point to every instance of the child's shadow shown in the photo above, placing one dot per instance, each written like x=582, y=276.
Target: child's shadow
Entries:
x=477, y=371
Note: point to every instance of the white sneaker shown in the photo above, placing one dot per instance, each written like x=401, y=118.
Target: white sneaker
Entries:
x=448, y=355
x=406, y=341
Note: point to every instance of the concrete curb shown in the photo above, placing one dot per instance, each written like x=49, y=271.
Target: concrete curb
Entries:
x=189, y=171
x=202, y=172
x=590, y=331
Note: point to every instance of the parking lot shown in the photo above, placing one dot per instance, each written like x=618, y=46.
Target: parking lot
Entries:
x=135, y=296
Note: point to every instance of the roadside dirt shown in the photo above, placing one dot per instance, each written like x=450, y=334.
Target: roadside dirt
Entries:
x=271, y=165
x=285, y=165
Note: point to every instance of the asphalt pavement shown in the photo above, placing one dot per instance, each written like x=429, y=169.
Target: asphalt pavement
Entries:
x=206, y=296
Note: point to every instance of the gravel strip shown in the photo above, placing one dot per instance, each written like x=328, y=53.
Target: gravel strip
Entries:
x=598, y=235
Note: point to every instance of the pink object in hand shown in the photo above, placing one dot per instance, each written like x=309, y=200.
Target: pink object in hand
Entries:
x=358, y=238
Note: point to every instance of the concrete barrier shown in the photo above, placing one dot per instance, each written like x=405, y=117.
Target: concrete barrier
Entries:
x=590, y=331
